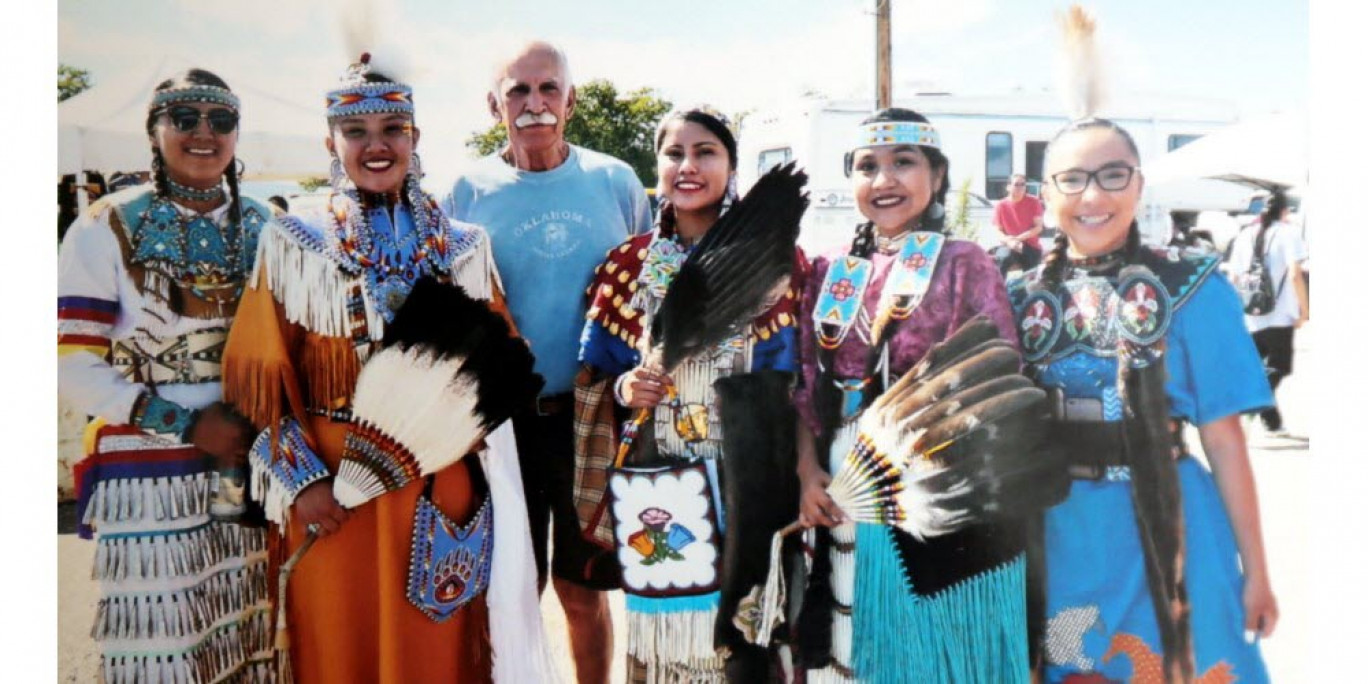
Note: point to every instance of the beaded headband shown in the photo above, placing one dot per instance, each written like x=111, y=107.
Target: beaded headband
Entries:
x=882, y=133
x=194, y=93
x=358, y=96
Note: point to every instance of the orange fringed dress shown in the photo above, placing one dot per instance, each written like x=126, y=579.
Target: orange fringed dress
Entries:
x=296, y=350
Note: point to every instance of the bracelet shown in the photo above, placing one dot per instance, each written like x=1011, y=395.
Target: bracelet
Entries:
x=157, y=416
x=617, y=389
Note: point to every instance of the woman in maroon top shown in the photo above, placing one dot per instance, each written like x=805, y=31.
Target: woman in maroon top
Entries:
x=875, y=608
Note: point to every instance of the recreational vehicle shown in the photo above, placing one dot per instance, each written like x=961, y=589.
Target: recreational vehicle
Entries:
x=987, y=140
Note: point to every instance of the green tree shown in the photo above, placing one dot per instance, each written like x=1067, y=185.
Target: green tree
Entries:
x=312, y=183
x=71, y=81
x=604, y=121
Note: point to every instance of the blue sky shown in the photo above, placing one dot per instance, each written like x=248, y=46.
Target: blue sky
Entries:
x=736, y=55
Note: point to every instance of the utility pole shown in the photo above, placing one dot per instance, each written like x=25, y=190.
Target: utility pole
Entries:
x=883, y=70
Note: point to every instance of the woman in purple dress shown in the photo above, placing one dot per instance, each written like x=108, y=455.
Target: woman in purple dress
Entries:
x=880, y=604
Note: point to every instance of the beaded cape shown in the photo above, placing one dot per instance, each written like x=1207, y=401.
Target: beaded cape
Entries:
x=1094, y=313
x=615, y=285
x=321, y=271
x=190, y=262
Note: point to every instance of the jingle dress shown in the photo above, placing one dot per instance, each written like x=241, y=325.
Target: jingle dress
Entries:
x=1101, y=621
x=324, y=289
x=951, y=608
x=669, y=638
x=146, y=290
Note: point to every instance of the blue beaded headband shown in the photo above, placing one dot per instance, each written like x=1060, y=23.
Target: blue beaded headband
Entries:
x=358, y=96
x=898, y=133
x=194, y=93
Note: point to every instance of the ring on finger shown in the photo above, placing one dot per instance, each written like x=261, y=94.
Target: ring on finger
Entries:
x=313, y=529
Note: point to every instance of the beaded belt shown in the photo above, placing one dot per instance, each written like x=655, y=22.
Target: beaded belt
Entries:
x=194, y=357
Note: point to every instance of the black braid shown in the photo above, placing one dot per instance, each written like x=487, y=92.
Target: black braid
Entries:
x=863, y=244
x=234, y=199
x=159, y=173
x=1052, y=270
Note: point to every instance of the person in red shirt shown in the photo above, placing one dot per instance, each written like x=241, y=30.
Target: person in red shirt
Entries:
x=1019, y=218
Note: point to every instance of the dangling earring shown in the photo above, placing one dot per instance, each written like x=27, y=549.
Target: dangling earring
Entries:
x=933, y=219
x=416, y=167
x=730, y=195
x=241, y=167
x=337, y=177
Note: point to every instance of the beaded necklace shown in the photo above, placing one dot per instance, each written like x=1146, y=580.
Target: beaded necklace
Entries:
x=189, y=194
x=390, y=266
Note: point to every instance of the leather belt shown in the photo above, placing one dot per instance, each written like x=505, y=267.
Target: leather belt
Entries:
x=555, y=404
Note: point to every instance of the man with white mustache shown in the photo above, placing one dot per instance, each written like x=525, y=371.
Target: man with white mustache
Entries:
x=552, y=210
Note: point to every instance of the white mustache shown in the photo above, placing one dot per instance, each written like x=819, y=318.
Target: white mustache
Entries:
x=529, y=119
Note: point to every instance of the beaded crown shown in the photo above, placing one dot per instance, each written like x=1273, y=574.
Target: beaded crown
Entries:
x=358, y=96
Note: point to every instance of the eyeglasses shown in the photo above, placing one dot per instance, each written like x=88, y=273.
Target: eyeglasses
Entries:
x=1019, y=185
x=186, y=119
x=1110, y=178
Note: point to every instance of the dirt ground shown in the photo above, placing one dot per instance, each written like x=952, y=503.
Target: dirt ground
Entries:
x=1285, y=493
x=79, y=660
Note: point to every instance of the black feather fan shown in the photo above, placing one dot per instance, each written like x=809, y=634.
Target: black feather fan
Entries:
x=739, y=268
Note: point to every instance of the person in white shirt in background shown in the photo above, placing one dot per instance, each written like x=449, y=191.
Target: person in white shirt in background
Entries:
x=1284, y=252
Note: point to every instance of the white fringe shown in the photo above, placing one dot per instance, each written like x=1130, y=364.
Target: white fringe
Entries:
x=273, y=496
x=138, y=500
x=312, y=288
x=174, y=555
x=516, y=632
x=239, y=651
x=772, y=602
x=683, y=637
x=184, y=613
x=474, y=269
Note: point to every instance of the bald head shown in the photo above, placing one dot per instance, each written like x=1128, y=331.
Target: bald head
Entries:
x=533, y=97
x=537, y=49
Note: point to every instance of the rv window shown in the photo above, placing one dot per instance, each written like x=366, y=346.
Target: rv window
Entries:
x=998, y=165
x=1178, y=140
x=772, y=158
x=1035, y=165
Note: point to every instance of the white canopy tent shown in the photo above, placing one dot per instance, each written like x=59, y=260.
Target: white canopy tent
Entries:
x=103, y=127
x=1266, y=152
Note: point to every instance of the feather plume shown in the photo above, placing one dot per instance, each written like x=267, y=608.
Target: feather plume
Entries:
x=369, y=27
x=1080, y=73
x=737, y=271
x=449, y=374
x=950, y=442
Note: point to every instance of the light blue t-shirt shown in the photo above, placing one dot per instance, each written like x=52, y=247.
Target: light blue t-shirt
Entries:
x=549, y=229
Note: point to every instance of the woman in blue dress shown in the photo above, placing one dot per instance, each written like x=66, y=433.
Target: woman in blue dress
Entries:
x=1154, y=565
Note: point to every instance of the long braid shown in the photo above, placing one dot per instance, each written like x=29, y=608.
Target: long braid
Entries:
x=159, y=173
x=1052, y=268
x=234, y=199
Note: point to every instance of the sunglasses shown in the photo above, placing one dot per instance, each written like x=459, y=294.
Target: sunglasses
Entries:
x=186, y=119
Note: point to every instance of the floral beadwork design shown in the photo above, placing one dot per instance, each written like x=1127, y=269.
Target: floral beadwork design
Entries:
x=666, y=531
x=658, y=540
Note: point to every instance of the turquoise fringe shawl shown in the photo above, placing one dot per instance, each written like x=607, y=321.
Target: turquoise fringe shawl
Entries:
x=974, y=631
